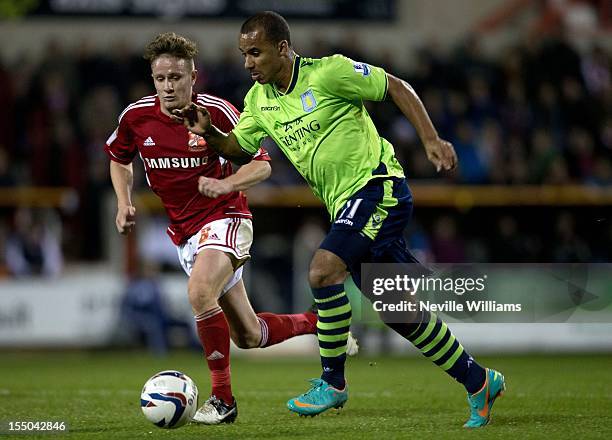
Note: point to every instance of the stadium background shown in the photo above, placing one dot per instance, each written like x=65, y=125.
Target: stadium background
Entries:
x=522, y=88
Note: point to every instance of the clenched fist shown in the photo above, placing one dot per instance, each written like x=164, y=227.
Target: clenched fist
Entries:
x=442, y=154
x=126, y=219
x=214, y=188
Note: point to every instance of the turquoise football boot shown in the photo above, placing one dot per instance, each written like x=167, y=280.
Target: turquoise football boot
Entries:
x=320, y=397
x=482, y=401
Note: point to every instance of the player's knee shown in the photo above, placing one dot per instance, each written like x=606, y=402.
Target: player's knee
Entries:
x=323, y=276
x=201, y=298
x=326, y=269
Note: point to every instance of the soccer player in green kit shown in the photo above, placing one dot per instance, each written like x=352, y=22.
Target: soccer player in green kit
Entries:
x=314, y=110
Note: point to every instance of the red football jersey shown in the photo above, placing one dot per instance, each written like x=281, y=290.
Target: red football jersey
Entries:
x=174, y=158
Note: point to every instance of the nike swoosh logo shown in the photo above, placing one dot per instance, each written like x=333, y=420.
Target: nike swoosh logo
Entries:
x=306, y=405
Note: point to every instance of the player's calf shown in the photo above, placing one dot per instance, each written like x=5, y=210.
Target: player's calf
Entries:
x=246, y=340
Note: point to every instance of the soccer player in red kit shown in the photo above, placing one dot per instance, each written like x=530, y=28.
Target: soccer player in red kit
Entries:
x=210, y=222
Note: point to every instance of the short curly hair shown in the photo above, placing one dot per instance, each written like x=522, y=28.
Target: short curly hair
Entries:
x=171, y=44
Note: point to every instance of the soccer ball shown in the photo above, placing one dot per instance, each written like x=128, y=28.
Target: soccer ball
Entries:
x=169, y=399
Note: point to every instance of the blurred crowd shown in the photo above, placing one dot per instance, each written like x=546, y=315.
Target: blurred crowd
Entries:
x=538, y=112
x=541, y=113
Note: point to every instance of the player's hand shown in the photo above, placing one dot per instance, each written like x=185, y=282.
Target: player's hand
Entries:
x=214, y=188
x=195, y=117
x=126, y=219
x=442, y=154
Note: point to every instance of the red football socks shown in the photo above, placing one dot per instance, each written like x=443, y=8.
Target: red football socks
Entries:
x=278, y=328
x=213, y=331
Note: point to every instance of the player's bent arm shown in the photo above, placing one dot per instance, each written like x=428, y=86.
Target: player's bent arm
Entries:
x=197, y=120
x=410, y=104
x=247, y=176
x=226, y=145
x=250, y=174
x=440, y=152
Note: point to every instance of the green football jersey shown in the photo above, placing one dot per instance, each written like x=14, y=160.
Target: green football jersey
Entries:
x=321, y=124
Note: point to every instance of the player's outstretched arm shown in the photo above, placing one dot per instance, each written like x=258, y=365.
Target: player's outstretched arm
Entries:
x=197, y=120
x=122, y=177
x=440, y=152
x=248, y=175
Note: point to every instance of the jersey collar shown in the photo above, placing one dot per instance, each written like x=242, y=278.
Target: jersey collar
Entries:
x=158, y=109
x=294, y=76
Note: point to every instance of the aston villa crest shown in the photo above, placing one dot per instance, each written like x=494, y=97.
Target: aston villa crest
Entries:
x=308, y=101
x=196, y=143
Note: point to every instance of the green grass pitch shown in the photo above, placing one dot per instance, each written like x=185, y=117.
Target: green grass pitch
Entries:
x=390, y=398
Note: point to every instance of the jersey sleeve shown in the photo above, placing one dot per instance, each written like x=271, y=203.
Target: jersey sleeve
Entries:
x=350, y=79
x=262, y=154
x=224, y=115
x=119, y=146
x=247, y=132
